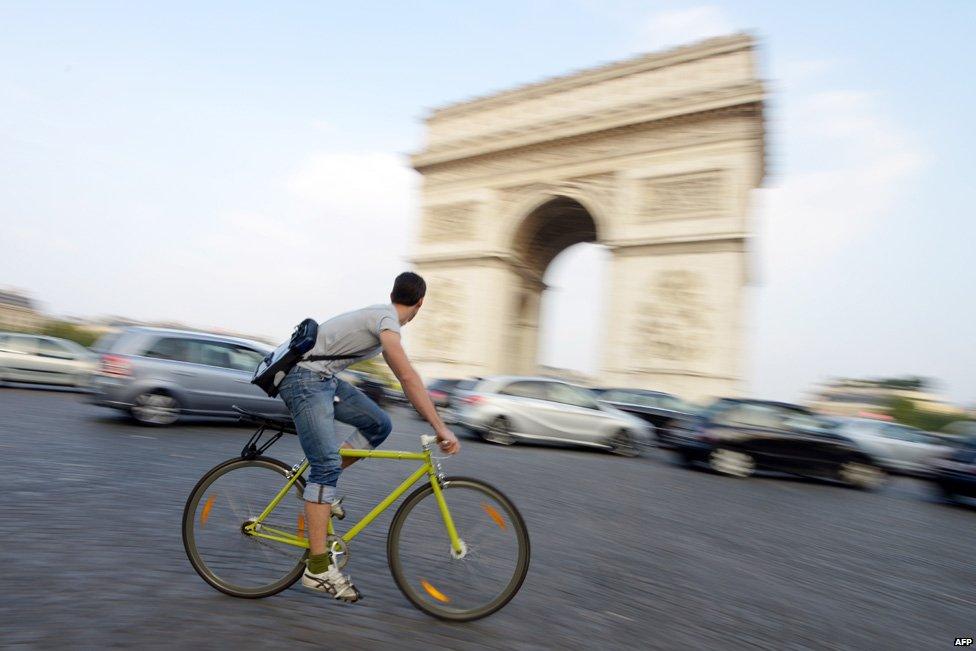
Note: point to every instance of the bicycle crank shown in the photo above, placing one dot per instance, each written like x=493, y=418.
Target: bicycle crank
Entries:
x=340, y=552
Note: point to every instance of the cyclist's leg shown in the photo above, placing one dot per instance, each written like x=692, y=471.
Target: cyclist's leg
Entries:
x=355, y=408
x=310, y=400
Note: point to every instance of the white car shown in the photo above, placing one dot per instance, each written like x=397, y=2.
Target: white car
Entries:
x=506, y=410
x=44, y=360
x=897, y=447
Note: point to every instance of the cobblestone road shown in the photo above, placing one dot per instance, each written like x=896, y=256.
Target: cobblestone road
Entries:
x=627, y=553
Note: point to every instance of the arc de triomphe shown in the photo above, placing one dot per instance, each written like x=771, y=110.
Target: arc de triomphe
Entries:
x=653, y=157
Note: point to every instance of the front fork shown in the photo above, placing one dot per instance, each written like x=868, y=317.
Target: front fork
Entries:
x=436, y=476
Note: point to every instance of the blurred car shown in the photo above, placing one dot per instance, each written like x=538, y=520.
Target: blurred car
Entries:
x=442, y=393
x=505, y=410
x=44, y=360
x=898, y=448
x=737, y=437
x=371, y=385
x=157, y=375
x=961, y=430
x=662, y=410
x=955, y=474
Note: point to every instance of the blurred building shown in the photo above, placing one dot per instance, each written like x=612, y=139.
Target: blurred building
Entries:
x=653, y=157
x=850, y=397
x=18, y=312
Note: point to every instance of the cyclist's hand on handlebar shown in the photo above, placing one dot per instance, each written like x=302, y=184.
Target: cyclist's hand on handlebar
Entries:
x=447, y=441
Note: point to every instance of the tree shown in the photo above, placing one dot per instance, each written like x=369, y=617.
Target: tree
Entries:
x=69, y=331
x=905, y=412
x=908, y=382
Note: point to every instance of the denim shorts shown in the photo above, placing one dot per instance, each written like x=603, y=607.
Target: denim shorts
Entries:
x=316, y=401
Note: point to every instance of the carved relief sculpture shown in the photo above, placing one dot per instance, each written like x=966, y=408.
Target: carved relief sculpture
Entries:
x=672, y=324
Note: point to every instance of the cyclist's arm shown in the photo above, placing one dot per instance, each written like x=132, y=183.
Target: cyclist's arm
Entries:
x=413, y=388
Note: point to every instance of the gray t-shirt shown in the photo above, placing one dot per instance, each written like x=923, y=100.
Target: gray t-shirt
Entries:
x=353, y=332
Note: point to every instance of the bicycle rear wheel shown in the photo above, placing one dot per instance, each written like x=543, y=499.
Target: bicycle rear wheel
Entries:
x=226, y=499
x=492, y=566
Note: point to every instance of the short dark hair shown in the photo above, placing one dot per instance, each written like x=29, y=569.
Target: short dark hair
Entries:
x=408, y=289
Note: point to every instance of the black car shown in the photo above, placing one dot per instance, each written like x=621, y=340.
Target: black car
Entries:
x=955, y=475
x=370, y=385
x=737, y=437
x=663, y=410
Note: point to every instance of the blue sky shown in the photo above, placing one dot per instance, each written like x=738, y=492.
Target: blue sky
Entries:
x=149, y=151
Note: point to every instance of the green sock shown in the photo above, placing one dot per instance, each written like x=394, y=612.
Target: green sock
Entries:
x=318, y=563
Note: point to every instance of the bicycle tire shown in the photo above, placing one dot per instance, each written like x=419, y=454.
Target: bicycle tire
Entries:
x=413, y=595
x=189, y=541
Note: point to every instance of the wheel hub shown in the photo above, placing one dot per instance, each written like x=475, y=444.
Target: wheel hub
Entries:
x=735, y=464
x=461, y=554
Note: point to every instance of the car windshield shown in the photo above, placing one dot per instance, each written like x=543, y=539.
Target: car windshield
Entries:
x=442, y=385
x=570, y=395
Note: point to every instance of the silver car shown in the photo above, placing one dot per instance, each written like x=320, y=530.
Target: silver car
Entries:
x=897, y=447
x=44, y=360
x=508, y=409
x=157, y=375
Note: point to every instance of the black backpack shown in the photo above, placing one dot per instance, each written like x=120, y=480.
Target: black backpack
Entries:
x=273, y=368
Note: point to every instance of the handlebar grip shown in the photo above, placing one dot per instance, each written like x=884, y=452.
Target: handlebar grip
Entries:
x=427, y=439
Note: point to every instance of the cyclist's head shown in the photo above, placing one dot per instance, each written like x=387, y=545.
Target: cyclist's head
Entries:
x=409, y=290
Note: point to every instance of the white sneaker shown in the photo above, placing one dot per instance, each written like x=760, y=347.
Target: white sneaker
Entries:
x=333, y=582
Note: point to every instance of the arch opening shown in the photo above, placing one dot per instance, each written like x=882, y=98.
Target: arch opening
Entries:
x=556, y=327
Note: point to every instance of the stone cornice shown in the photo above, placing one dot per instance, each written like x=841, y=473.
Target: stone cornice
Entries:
x=742, y=122
x=508, y=260
x=641, y=63
x=624, y=247
x=463, y=258
x=612, y=118
x=710, y=241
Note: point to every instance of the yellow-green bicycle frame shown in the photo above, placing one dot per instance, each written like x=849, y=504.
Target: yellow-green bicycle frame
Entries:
x=258, y=529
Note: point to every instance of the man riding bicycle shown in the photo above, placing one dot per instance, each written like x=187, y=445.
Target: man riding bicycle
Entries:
x=317, y=398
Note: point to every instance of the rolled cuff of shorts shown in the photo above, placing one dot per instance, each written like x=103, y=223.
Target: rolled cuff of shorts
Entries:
x=319, y=493
x=359, y=442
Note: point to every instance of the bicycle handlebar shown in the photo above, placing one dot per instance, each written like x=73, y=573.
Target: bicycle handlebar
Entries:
x=426, y=440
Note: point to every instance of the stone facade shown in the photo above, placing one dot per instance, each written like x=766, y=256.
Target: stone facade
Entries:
x=653, y=157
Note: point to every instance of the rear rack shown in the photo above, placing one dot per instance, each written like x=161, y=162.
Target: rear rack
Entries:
x=266, y=423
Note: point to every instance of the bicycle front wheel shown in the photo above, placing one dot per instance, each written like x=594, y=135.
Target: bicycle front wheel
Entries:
x=221, y=505
x=493, y=562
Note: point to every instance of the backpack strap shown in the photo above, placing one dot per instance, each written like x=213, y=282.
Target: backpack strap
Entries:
x=319, y=358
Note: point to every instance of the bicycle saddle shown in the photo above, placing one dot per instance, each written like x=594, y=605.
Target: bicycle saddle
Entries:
x=275, y=421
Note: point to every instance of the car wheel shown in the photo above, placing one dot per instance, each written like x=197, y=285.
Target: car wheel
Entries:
x=862, y=475
x=731, y=463
x=498, y=432
x=623, y=444
x=155, y=408
x=945, y=494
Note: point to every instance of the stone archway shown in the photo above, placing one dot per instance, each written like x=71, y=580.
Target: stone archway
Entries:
x=654, y=158
x=545, y=232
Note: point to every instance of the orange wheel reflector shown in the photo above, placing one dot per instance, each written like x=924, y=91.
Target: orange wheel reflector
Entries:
x=205, y=513
x=494, y=515
x=301, y=526
x=435, y=593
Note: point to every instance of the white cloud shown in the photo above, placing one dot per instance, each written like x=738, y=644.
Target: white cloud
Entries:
x=856, y=164
x=359, y=185
x=681, y=26
x=335, y=242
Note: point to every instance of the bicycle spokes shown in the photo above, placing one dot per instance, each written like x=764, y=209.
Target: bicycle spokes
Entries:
x=487, y=570
x=226, y=543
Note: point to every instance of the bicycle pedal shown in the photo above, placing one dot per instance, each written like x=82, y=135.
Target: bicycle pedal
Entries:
x=338, y=512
